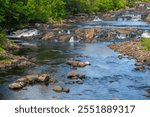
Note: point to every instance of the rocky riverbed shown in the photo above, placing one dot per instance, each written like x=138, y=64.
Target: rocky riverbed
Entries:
x=134, y=50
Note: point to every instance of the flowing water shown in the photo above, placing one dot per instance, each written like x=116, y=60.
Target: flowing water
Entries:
x=107, y=77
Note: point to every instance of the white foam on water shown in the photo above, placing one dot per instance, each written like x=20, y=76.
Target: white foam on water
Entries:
x=145, y=34
x=72, y=39
x=97, y=19
x=121, y=36
x=24, y=33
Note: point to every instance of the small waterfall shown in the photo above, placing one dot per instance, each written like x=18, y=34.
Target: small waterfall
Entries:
x=131, y=17
x=145, y=34
x=68, y=32
x=97, y=19
x=72, y=39
x=121, y=36
x=24, y=33
x=136, y=18
x=120, y=19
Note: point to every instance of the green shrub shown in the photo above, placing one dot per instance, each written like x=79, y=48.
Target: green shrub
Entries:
x=1, y=43
x=146, y=43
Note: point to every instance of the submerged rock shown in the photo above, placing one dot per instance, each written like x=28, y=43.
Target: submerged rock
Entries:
x=120, y=56
x=78, y=63
x=52, y=80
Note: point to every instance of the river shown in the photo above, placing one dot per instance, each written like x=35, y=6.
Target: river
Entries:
x=107, y=77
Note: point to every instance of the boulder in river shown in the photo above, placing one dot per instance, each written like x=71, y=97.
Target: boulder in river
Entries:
x=31, y=79
x=17, y=85
x=147, y=19
x=73, y=74
x=60, y=89
x=87, y=33
x=57, y=88
x=48, y=36
x=65, y=38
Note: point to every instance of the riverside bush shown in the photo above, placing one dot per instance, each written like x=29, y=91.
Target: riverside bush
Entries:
x=146, y=43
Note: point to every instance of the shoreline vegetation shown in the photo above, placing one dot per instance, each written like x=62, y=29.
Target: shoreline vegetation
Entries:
x=18, y=14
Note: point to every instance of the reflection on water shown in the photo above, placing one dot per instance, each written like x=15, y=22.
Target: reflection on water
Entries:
x=107, y=77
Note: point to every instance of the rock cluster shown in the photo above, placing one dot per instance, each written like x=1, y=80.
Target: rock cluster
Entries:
x=134, y=49
x=31, y=79
x=15, y=62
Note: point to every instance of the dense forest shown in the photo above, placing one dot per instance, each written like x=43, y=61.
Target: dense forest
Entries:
x=15, y=13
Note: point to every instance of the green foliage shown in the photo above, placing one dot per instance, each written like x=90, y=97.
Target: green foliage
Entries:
x=14, y=13
x=89, y=6
x=132, y=2
x=146, y=43
x=6, y=61
x=1, y=43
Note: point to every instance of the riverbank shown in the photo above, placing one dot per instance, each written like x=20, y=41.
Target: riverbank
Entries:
x=134, y=49
x=7, y=58
x=74, y=29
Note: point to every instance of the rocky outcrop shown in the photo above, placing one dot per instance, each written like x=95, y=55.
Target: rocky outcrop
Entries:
x=147, y=19
x=15, y=62
x=87, y=33
x=124, y=30
x=78, y=63
x=48, y=36
x=108, y=16
x=64, y=38
x=31, y=79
